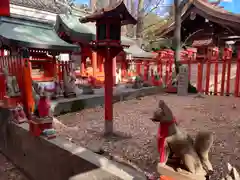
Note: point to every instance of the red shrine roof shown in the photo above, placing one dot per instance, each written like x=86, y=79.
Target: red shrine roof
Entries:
x=207, y=10
x=118, y=9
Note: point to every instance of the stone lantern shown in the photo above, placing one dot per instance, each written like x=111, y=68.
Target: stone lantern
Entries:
x=108, y=45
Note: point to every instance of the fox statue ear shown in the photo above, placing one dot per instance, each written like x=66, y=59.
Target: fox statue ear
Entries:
x=229, y=167
x=235, y=174
x=232, y=173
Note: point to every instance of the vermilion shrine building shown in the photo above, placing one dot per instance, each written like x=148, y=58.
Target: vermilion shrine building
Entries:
x=72, y=31
x=205, y=25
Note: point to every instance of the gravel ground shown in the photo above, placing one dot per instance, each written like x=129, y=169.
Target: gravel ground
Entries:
x=8, y=171
x=136, y=139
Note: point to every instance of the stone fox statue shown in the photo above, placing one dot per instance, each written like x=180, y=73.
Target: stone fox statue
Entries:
x=171, y=139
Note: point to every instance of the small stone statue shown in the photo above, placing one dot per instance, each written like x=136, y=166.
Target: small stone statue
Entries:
x=19, y=115
x=173, y=140
x=58, y=92
x=11, y=84
x=69, y=84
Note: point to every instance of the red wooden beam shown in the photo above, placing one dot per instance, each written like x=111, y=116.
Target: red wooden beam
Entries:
x=5, y=8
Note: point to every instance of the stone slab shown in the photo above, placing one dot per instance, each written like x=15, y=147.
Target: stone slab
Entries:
x=65, y=105
x=56, y=159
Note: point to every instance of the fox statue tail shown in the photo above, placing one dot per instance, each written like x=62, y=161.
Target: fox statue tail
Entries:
x=202, y=145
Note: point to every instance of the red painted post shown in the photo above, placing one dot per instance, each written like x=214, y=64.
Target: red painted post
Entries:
x=228, y=76
x=208, y=70
x=94, y=64
x=138, y=68
x=146, y=68
x=236, y=90
x=166, y=72
x=170, y=70
x=5, y=8
x=108, y=66
x=216, y=76
x=27, y=88
x=114, y=68
x=83, y=65
x=190, y=57
x=224, y=66
x=200, y=77
x=124, y=68
x=1, y=52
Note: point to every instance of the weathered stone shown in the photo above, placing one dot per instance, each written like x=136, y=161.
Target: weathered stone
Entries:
x=180, y=144
x=11, y=84
x=182, y=86
x=87, y=89
x=182, y=175
x=69, y=84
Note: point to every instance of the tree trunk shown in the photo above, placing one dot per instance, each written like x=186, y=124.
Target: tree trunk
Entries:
x=177, y=35
x=140, y=15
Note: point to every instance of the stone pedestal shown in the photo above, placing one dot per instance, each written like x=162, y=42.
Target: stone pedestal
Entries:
x=182, y=87
x=183, y=175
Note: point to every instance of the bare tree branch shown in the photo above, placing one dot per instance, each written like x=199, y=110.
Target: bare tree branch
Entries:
x=154, y=7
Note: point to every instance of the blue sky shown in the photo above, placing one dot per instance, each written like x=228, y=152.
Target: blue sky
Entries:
x=230, y=5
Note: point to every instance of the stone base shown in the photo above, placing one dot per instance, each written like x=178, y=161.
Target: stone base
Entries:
x=182, y=175
x=108, y=127
x=68, y=105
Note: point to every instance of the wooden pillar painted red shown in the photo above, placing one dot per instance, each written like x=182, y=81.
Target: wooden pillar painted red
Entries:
x=27, y=88
x=114, y=67
x=100, y=63
x=190, y=57
x=224, y=66
x=138, y=67
x=216, y=77
x=200, y=77
x=159, y=68
x=124, y=68
x=229, y=63
x=83, y=64
x=1, y=52
x=5, y=8
x=146, y=70
x=94, y=63
x=236, y=90
x=108, y=71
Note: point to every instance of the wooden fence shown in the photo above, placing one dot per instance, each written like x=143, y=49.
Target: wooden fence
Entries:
x=213, y=75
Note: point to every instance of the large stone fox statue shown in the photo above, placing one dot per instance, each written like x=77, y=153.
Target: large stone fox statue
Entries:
x=173, y=140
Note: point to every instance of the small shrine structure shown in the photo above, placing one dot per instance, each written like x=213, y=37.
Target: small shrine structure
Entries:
x=26, y=50
x=90, y=63
x=108, y=44
x=204, y=26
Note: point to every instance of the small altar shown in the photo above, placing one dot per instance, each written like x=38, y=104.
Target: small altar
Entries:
x=83, y=101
